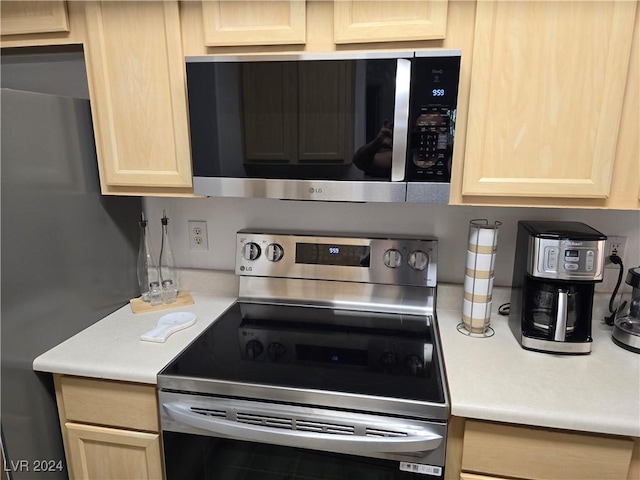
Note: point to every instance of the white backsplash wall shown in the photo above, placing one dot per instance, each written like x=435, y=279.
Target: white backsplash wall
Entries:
x=225, y=216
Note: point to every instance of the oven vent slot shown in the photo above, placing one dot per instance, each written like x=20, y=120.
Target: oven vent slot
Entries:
x=209, y=412
x=375, y=432
x=265, y=421
x=307, y=426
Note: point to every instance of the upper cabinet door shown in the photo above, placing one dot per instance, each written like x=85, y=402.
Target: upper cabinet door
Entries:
x=242, y=22
x=33, y=17
x=547, y=89
x=362, y=21
x=138, y=95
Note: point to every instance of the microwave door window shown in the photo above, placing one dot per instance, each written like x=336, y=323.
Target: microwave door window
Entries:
x=214, y=119
x=374, y=143
x=298, y=119
x=329, y=119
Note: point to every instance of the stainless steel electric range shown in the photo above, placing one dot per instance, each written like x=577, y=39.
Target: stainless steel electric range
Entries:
x=328, y=366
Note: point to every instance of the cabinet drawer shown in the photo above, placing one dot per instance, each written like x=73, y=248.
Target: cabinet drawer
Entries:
x=529, y=452
x=117, y=404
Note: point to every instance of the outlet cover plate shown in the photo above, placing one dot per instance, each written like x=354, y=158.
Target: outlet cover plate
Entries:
x=198, y=238
x=614, y=243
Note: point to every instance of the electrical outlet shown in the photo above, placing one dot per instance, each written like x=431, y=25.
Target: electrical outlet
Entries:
x=198, y=239
x=614, y=246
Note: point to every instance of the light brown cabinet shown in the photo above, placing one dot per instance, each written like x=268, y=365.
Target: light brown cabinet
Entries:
x=136, y=74
x=25, y=17
x=364, y=21
x=100, y=452
x=251, y=22
x=41, y=23
x=110, y=429
x=135, y=71
x=550, y=83
x=480, y=450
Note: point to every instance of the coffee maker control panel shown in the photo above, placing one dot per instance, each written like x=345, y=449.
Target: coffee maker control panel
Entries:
x=565, y=259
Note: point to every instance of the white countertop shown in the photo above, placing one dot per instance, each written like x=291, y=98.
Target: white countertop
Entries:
x=495, y=379
x=489, y=378
x=112, y=349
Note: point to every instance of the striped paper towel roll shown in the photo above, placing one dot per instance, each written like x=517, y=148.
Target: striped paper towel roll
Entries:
x=479, y=273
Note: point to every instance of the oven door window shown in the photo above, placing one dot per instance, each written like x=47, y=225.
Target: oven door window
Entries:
x=202, y=457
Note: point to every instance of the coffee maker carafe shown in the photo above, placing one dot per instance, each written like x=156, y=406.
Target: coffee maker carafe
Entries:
x=556, y=267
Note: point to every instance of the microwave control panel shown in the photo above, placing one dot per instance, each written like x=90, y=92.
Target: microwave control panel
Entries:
x=432, y=118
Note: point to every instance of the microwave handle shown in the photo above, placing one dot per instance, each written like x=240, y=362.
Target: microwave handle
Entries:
x=421, y=441
x=401, y=119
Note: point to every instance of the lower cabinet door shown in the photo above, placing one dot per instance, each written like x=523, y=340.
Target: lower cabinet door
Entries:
x=108, y=453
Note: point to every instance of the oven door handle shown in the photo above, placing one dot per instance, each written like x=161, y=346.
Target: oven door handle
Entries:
x=418, y=440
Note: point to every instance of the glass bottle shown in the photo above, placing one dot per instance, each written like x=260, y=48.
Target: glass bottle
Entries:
x=147, y=268
x=168, y=270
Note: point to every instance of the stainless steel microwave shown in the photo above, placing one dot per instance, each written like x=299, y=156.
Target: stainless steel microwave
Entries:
x=359, y=127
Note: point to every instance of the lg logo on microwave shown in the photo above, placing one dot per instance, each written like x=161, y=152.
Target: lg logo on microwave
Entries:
x=315, y=190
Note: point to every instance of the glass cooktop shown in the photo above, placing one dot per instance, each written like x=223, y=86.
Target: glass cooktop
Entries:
x=384, y=355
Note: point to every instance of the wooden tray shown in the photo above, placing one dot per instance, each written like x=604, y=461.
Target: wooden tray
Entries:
x=140, y=306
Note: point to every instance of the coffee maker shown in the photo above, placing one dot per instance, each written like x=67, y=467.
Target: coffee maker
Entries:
x=556, y=267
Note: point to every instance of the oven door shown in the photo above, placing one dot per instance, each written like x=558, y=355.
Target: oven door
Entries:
x=224, y=438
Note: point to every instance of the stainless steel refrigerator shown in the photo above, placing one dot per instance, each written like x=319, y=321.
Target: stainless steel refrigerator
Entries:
x=68, y=257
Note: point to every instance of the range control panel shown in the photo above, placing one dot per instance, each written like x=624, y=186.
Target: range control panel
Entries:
x=399, y=261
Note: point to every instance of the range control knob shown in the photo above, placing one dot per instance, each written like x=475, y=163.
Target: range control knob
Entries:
x=251, y=251
x=254, y=349
x=418, y=260
x=275, y=350
x=274, y=252
x=392, y=258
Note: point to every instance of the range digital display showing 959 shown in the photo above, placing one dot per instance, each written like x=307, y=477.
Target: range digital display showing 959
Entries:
x=333, y=254
x=437, y=92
